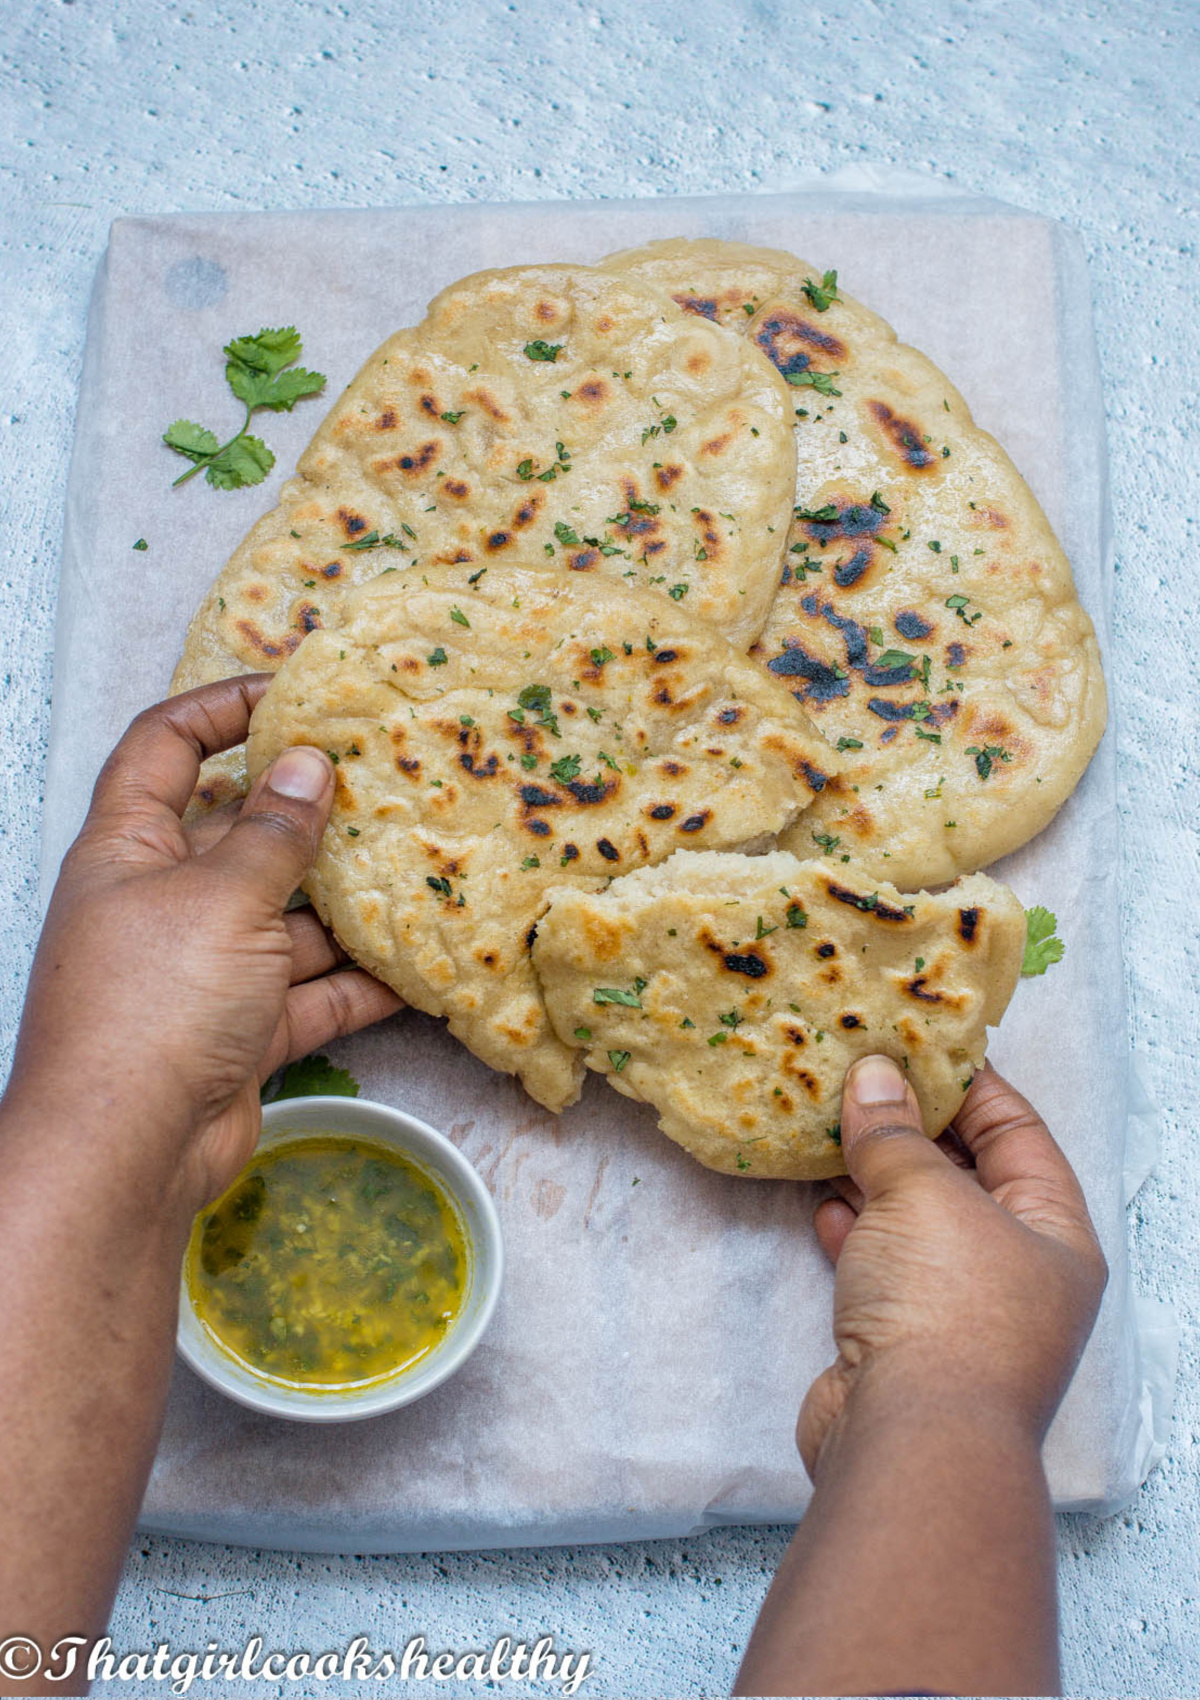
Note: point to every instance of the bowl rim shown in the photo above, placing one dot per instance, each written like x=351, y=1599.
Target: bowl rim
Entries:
x=428, y=1148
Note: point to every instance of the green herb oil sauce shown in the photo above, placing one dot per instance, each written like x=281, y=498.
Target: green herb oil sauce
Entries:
x=330, y=1262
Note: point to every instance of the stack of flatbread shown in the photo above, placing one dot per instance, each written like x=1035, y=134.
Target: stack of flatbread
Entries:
x=673, y=629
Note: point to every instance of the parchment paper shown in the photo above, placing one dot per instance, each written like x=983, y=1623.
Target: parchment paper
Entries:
x=659, y=1323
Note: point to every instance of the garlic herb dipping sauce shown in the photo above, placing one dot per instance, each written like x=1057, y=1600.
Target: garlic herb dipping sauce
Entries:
x=330, y=1262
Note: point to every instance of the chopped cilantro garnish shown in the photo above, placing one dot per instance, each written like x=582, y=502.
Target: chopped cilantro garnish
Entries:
x=613, y=994
x=822, y=295
x=618, y=1059
x=822, y=382
x=459, y=618
x=540, y=350
x=437, y=658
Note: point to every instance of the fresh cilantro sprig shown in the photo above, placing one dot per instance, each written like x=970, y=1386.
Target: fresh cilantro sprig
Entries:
x=1041, y=946
x=314, y=1077
x=261, y=372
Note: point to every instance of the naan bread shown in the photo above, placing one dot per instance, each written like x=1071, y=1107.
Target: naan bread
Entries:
x=926, y=615
x=652, y=448
x=751, y=983
x=498, y=737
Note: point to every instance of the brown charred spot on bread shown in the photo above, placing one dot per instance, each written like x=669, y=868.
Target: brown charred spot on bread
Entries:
x=458, y=488
x=498, y=540
x=812, y=776
x=905, y=437
x=582, y=560
x=827, y=949
x=717, y=445
x=417, y=461
x=661, y=811
x=487, y=957
x=666, y=476
x=256, y=592
x=694, y=823
x=537, y=797
x=995, y=519
x=409, y=764
x=485, y=400
x=795, y=1035
x=431, y=405
x=749, y=963
x=698, y=361
x=263, y=650
x=662, y=695
x=546, y=311
x=955, y=654
x=308, y=617
x=459, y=558
x=606, y=323
x=674, y=769
x=869, y=903
x=593, y=392
x=968, y=924
x=530, y=935
x=663, y=657
x=704, y=306
x=850, y=1021
x=788, y=339
x=387, y=420
x=352, y=523
x=483, y=770
x=847, y=573
x=941, y=713
x=570, y=852
x=539, y=828
x=910, y=624
x=608, y=850
x=587, y=793
x=730, y=716
x=527, y=512
x=333, y=570
x=918, y=986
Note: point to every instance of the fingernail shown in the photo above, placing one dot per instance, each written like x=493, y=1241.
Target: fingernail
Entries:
x=876, y=1080
x=302, y=773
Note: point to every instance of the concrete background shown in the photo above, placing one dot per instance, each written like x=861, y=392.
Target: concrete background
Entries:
x=1082, y=112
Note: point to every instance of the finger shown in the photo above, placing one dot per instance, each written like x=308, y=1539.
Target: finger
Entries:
x=154, y=767
x=1016, y=1157
x=203, y=831
x=833, y=1219
x=949, y=1142
x=883, y=1138
x=314, y=949
x=273, y=842
x=326, y=1009
x=849, y=1191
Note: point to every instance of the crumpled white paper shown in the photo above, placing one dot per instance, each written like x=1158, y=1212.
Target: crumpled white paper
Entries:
x=659, y=1323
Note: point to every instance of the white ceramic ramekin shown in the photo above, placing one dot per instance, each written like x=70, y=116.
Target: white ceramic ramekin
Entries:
x=360, y=1118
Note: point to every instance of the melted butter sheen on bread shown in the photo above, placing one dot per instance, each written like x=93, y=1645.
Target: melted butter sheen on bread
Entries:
x=751, y=983
x=497, y=738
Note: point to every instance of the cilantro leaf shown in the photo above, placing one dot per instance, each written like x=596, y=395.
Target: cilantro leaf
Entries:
x=316, y=1076
x=246, y=460
x=539, y=350
x=190, y=439
x=260, y=371
x=822, y=295
x=1041, y=947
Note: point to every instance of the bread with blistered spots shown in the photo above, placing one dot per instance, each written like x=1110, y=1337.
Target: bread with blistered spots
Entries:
x=551, y=411
x=497, y=736
x=733, y=992
x=926, y=616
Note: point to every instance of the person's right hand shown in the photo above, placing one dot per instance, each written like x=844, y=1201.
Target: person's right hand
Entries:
x=980, y=1277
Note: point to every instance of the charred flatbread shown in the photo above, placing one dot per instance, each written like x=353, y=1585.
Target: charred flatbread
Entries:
x=498, y=736
x=733, y=992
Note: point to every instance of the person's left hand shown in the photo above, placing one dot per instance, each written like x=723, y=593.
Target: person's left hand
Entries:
x=169, y=983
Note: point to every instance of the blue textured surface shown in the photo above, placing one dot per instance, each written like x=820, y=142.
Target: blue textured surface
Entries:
x=1085, y=114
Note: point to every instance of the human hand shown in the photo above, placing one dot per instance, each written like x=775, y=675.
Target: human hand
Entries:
x=169, y=983
x=968, y=1268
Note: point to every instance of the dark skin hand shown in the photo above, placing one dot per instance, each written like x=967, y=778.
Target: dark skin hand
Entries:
x=968, y=1280
x=167, y=986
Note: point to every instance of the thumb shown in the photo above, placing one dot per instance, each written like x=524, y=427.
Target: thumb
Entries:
x=883, y=1137
x=272, y=843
